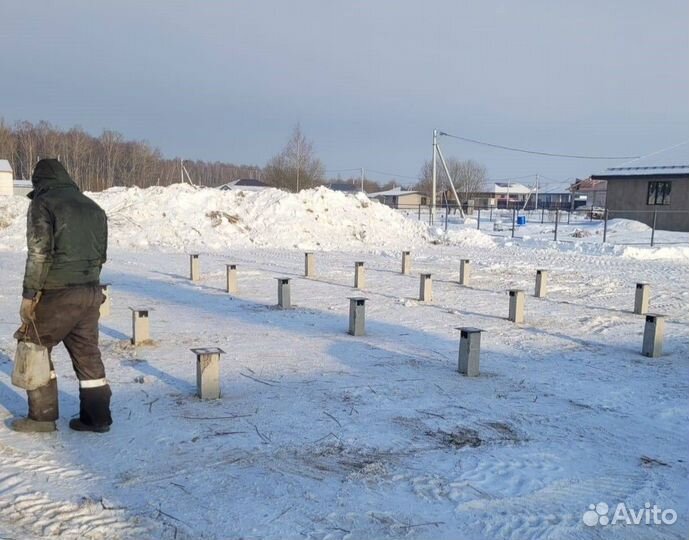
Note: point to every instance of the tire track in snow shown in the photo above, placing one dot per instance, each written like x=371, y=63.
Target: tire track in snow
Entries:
x=37, y=512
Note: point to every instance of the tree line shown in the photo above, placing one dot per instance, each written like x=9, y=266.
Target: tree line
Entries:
x=98, y=163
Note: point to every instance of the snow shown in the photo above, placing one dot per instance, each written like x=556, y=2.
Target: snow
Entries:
x=179, y=218
x=627, y=225
x=323, y=435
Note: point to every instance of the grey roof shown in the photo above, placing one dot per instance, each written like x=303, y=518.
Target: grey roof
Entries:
x=244, y=183
x=343, y=186
x=671, y=161
x=249, y=182
x=5, y=166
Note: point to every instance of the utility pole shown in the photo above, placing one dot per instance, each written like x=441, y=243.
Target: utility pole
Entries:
x=181, y=170
x=536, y=207
x=362, y=179
x=298, y=160
x=435, y=171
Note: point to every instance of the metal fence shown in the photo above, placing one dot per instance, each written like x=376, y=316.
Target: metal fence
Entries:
x=507, y=221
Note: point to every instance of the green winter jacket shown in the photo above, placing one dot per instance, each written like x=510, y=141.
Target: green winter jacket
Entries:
x=66, y=233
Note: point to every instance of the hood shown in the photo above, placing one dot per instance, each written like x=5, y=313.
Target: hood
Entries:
x=50, y=174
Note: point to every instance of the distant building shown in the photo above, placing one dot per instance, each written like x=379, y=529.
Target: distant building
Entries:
x=6, y=178
x=344, y=187
x=651, y=187
x=8, y=185
x=399, y=198
x=589, y=192
x=22, y=187
x=502, y=195
x=552, y=201
x=245, y=184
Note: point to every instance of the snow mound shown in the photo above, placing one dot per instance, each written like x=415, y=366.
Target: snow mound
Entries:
x=626, y=225
x=465, y=237
x=13, y=223
x=182, y=218
x=679, y=253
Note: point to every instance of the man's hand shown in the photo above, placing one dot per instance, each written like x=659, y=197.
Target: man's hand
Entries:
x=26, y=311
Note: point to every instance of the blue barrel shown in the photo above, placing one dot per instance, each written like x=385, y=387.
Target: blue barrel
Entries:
x=521, y=220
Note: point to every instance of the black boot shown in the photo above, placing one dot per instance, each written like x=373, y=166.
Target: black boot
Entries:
x=77, y=425
x=94, y=410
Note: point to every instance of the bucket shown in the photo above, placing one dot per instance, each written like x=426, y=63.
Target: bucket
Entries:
x=521, y=220
x=31, y=366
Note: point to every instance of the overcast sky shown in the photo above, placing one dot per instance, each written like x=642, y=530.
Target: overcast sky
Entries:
x=368, y=80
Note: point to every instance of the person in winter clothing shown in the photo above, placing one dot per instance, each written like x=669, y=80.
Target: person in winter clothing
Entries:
x=67, y=239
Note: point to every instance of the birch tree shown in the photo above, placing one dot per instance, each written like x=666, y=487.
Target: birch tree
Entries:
x=296, y=167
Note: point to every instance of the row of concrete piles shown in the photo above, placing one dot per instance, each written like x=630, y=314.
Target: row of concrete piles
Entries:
x=208, y=358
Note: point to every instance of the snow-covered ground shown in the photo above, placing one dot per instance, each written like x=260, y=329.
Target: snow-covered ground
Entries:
x=624, y=237
x=322, y=435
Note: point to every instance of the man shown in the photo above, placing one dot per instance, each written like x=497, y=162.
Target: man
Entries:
x=67, y=242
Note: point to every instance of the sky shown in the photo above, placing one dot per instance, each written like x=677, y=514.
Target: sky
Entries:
x=368, y=81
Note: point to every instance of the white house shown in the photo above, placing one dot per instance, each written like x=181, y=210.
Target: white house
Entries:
x=6, y=178
x=8, y=185
x=507, y=194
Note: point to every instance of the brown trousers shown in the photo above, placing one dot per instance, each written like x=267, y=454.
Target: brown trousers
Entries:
x=71, y=316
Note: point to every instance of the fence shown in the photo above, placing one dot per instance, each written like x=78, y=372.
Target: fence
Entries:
x=508, y=220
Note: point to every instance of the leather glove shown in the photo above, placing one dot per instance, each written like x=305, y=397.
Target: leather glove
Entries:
x=26, y=311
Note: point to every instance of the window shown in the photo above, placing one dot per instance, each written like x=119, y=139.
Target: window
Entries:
x=659, y=193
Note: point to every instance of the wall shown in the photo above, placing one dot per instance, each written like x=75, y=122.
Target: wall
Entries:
x=627, y=199
x=412, y=199
x=6, y=183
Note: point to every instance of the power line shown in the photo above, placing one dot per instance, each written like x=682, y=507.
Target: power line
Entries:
x=513, y=178
x=391, y=174
x=342, y=170
x=671, y=147
x=538, y=153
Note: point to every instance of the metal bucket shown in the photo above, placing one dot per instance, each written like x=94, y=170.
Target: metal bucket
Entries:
x=31, y=366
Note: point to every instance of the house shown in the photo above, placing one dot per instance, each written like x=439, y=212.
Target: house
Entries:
x=589, y=192
x=400, y=198
x=245, y=184
x=344, y=187
x=503, y=195
x=553, y=200
x=651, y=188
x=8, y=185
x=6, y=178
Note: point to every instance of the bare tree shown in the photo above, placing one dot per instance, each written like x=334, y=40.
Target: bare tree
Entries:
x=296, y=166
x=96, y=163
x=469, y=178
x=370, y=186
x=8, y=145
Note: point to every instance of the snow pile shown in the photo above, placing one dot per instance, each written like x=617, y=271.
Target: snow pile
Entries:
x=463, y=237
x=625, y=226
x=13, y=222
x=680, y=253
x=181, y=218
